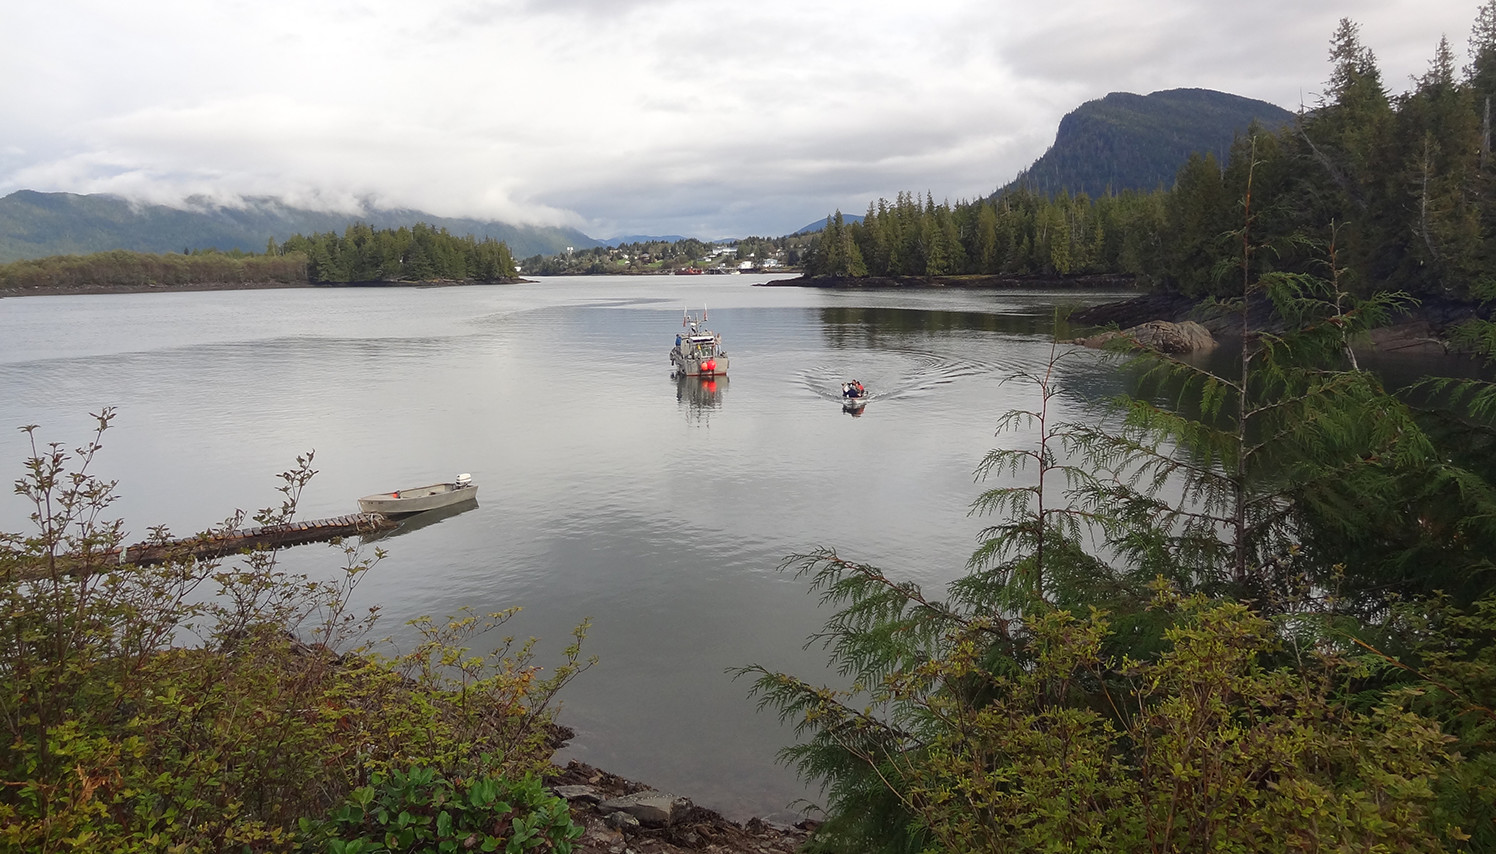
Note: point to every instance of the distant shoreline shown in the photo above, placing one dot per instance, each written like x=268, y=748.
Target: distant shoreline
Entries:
x=1090, y=281
x=83, y=290
x=1081, y=282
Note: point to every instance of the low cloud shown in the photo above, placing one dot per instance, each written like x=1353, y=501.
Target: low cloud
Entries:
x=652, y=116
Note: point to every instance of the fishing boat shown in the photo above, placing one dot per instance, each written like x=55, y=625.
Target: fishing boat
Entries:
x=418, y=499
x=698, y=351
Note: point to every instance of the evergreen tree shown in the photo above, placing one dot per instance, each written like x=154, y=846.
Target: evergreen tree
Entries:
x=1197, y=215
x=1481, y=72
x=1437, y=140
x=933, y=250
x=988, y=252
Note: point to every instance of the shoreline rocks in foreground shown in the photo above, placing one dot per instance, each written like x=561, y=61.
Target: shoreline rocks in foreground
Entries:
x=620, y=815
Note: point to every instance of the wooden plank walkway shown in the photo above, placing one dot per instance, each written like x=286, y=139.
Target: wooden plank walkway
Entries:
x=250, y=539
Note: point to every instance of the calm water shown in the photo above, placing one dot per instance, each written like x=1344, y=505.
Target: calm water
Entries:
x=607, y=490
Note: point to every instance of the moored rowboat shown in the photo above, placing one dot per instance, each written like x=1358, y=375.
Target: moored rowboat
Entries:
x=418, y=499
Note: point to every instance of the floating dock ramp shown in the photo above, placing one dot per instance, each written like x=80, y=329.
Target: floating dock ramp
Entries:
x=214, y=545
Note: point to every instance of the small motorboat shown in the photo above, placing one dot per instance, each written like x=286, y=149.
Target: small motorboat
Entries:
x=854, y=396
x=419, y=499
x=698, y=352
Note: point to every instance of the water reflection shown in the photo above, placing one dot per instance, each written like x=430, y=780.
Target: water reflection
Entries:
x=1398, y=371
x=424, y=520
x=699, y=393
x=587, y=523
x=863, y=323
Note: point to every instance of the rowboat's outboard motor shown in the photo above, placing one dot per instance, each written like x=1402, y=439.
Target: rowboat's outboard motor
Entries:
x=464, y=479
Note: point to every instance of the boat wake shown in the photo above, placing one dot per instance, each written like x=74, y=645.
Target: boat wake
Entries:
x=893, y=374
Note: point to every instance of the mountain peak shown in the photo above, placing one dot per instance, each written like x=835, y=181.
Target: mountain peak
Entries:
x=1126, y=141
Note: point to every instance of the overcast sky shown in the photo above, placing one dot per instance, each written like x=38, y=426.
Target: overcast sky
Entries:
x=703, y=118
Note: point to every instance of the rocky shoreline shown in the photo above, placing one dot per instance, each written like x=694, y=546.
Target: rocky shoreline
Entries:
x=1422, y=329
x=621, y=816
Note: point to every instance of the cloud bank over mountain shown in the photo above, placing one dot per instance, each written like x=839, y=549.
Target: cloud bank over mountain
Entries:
x=704, y=118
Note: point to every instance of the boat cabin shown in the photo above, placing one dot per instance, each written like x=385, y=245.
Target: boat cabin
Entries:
x=699, y=346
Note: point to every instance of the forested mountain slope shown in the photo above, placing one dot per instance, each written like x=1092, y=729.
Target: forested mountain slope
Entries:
x=38, y=225
x=1139, y=142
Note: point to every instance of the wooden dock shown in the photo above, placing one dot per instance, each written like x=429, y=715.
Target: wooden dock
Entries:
x=206, y=546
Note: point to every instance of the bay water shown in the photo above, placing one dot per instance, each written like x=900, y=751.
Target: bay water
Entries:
x=659, y=509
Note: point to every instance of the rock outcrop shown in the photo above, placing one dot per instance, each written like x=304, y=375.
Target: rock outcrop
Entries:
x=1161, y=335
x=649, y=808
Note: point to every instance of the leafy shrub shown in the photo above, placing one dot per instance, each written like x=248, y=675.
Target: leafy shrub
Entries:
x=420, y=810
x=1210, y=747
x=177, y=706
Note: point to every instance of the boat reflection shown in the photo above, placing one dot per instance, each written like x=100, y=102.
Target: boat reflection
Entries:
x=418, y=521
x=701, y=392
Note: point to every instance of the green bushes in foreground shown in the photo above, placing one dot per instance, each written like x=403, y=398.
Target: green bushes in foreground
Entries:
x=419, y=810
x=1246, y=612
x=210, y=706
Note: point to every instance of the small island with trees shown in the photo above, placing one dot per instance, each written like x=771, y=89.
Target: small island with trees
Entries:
x=362, y=255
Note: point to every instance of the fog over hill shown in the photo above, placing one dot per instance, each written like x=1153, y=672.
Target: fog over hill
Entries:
x=37, y=225
x=1121, y=141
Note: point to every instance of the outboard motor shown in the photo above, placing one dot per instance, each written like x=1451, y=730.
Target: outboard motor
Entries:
x=464, y=479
